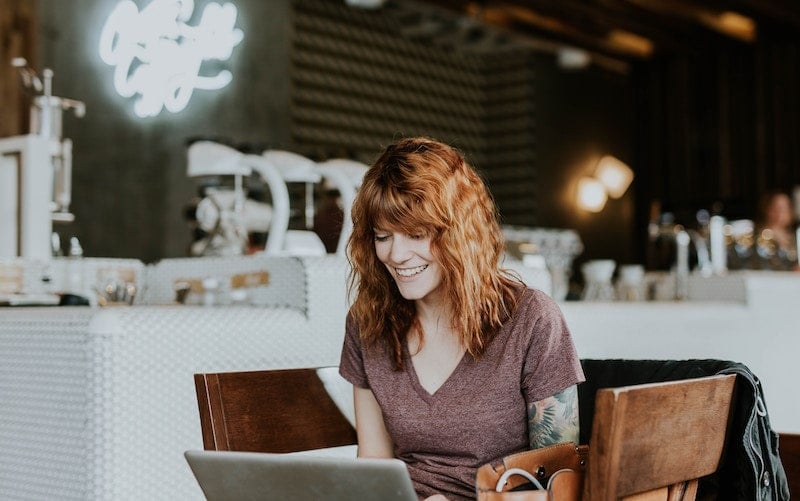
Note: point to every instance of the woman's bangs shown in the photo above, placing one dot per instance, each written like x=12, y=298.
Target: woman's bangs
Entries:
x=398, y=212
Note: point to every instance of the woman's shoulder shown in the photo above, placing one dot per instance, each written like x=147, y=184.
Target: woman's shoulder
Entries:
x=351, y=330
x=535, y=305
x=532, y=297
x=536, y=315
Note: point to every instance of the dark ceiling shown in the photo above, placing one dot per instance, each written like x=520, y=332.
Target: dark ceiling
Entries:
x=619, y=31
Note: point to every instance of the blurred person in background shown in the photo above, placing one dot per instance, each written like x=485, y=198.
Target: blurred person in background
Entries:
x=776, y=236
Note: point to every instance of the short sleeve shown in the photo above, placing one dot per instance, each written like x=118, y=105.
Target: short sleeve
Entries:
x=552, y=363
x=351, y=364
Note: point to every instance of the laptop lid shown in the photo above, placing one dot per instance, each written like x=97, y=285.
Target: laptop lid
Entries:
x=227, y=475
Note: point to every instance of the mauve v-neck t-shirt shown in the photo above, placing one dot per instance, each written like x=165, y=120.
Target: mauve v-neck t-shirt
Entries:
x=479, y=414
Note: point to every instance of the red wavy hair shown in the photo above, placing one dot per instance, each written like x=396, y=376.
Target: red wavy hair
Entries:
x=422, y=184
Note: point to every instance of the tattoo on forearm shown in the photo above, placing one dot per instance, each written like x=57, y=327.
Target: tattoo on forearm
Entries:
x=554, y=419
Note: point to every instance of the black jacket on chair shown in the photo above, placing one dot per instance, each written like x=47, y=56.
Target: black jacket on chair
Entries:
x=751, y=468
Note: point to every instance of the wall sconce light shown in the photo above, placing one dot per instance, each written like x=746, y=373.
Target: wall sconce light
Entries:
x=614, y=174
x=611, y=178
x=592, y=194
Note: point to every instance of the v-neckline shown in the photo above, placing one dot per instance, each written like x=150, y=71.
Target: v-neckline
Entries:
x=423, y=393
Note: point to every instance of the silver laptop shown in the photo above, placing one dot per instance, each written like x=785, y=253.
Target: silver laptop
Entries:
x=226, y=476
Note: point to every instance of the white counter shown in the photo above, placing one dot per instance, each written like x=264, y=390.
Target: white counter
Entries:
x=763, y=332
x=99, y=403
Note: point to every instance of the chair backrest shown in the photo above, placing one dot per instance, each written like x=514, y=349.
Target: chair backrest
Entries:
x=269, y=411
x=655, y=440
x=790, y=457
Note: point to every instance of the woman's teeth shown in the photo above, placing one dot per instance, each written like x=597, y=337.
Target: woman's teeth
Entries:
x=408, y=272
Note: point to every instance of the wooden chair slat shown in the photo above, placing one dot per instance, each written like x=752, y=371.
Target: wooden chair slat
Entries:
x=269, y=411
x=649, y=436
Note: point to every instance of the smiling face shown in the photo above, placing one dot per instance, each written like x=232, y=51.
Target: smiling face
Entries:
x=411, y=263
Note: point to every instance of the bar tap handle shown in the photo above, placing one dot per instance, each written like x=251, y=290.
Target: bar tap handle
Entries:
x=703, y=254
x=30, y=80
x=719, y=252
x=47, y=74
x=62, y=183
x=78, y=106
x=682, y=239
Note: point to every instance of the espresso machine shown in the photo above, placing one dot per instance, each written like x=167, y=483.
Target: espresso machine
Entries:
x=36, y=171
x=224, y=213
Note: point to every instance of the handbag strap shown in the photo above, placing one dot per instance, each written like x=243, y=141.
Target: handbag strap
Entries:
x=501, y=482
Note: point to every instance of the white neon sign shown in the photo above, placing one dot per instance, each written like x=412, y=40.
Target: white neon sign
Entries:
x=158, y=56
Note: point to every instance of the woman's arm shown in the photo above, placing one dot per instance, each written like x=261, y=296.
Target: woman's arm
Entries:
x=554, y=420
x=373, y=439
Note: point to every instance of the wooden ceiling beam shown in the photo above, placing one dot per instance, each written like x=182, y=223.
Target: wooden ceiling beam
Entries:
x=616, y=18
x=606, y=27
x=774, y=12
x=524, y=19
x=628, y=29
x=726, y=23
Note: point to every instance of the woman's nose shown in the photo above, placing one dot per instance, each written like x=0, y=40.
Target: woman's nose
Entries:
x=401, y=250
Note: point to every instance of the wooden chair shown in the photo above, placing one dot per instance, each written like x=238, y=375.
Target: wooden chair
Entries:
x=269, y=411
x=654, y=441
x=790, y=457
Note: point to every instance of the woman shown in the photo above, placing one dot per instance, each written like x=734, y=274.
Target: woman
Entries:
x=777, y=239
x=454, y=362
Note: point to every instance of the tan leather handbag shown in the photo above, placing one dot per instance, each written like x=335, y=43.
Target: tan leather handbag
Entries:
x=552, y=473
